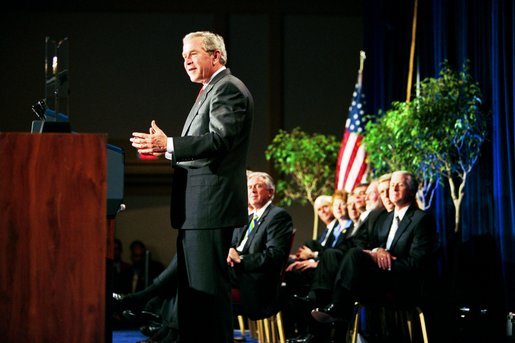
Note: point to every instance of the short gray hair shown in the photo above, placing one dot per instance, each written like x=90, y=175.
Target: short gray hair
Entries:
x=322, y=199
x=267, y=179
x=210, y=42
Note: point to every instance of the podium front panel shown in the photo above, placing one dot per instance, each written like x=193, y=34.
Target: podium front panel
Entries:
x=52, y=237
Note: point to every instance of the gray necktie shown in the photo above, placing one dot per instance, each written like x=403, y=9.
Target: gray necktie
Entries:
x=393, y=230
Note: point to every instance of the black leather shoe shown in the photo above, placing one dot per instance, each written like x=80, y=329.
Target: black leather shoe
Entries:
x=150, y=316
x=328, y=314
x=123, y=301
x=307, y=338
x=307, y=301
x=142, y=317
x=150, y=329
x=165, y=335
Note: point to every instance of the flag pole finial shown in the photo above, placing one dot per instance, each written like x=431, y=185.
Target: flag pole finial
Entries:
x=362, y=57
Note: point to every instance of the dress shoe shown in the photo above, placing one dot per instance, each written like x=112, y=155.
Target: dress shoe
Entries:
x=150, y=329
x=142, y=317
x=328, y=314
x=303, y=301
x=307, y=338
x=123, y=301
x=164, y=335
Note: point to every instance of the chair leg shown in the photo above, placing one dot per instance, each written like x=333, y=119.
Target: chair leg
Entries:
x=422, y=324
x=280, y=327
x=354, y=338
x=266, y=323
x=241, y=323
x=410, y=333
x=261, y=331
x=273, y=329
x=253, y=328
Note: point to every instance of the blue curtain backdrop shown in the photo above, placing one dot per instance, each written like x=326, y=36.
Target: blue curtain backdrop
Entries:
x=483, y=254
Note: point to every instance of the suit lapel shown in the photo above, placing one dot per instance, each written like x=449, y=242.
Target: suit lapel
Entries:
x=403, y=226
x=198, y=102
x=382, y=235
x=243, y=230
x=257, y=226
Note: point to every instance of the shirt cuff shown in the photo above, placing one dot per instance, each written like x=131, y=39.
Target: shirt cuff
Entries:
x=169, y=148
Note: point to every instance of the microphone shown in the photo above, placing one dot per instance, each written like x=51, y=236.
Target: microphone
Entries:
x=39, y=109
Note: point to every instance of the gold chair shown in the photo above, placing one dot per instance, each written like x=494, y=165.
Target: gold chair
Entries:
x=267, y=330
x=407, y=315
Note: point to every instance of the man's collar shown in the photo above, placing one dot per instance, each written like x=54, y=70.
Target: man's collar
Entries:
x=400, y=213
x=262, y=210
x=214, y=74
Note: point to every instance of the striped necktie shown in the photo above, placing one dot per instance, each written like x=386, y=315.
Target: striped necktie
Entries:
x=252, y=224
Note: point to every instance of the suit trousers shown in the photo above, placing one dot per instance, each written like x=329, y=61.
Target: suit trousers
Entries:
x=204, y=294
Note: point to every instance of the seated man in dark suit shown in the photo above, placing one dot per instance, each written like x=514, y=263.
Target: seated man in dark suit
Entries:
x=259, y=250
x=407, y=243
x=310, y=249
x=301, y=267
x=329, y=263
x=154, y=308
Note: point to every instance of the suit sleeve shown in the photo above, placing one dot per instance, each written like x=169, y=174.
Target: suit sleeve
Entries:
x=422, y=248
x=228, y=108
x=277, y=245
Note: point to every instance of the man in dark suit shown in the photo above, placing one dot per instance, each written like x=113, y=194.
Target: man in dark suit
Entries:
x=408, y=242
x=209, y=185
x=259, y=250
x=311, y=248
x=324, y=276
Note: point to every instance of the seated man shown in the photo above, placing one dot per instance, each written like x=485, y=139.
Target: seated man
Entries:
x=155, y=307
x=260, y=249
x=406, y=245
x=256, y=261
x=310, y=249
x=329, y=264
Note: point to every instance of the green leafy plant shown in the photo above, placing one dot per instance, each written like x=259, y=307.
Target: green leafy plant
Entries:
x=437, y=136
x=306, y=165
x=393, y=143
x=452, y=126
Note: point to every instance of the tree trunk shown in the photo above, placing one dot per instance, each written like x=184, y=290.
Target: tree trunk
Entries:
x=457, y=197
x=315, y=222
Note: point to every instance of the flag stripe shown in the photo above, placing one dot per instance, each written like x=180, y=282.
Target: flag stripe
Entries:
x=357, y=170
x=351, y=167
x=349, y=152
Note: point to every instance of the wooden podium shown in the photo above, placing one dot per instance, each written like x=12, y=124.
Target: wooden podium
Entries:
x=52, y=237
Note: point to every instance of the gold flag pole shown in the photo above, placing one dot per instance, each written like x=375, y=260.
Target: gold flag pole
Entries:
x=412, y=51
x=362, y=57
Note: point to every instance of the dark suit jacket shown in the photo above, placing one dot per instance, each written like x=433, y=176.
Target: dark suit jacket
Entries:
x=258, y=276
x=209, y=160
x=414, y=247
x=414, y=243
x=316, y=244
x=366, y=237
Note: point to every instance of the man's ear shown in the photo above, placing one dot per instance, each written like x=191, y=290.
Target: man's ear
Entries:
x=216, y=56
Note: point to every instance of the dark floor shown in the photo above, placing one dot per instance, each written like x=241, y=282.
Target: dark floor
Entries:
x=132, y=336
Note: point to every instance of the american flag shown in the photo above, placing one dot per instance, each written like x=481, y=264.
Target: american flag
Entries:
x=351, y=167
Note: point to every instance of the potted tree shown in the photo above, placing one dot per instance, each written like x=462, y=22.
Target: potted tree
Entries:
x=306, y=165
x=437, y=136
